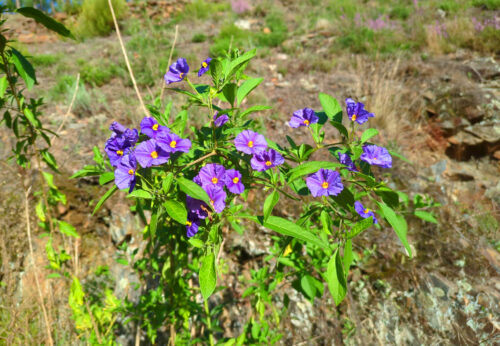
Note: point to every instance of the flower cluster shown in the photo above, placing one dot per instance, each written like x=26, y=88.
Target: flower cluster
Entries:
x=179, y=69
x=212, y=178
x=326, y=182
x=156, y=151
x=253, y=143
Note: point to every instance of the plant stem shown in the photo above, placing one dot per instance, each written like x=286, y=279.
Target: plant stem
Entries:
x=209, y=322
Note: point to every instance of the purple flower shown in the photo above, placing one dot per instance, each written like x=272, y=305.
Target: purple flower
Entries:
x=177, y=71
x=250, y=142
x=357, y=112
x=345, y=159
x=149, y=153
x=324, y=182
x=364, y=213
x=303, y=117
x=205, y=65
x=192, y=225
x=172, y=143
x=217, y=197
x=125, y=173
x=264, y=160
x=196, y=207
x=117, y=128
x=378, y=156
x=233, y=181
x=120, y=142
x=220, y=120
x=212, y=174
x=151, y=128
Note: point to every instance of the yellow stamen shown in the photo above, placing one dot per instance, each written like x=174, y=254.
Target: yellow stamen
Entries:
x=250, y=144
x=188, y=223
x=354, y=117
x=154, y=154
x=155, y=127
x=181, y=74
x=212, y=202
x=306, y=122
x=325, y=185
x=204, y=64
x=173, y=144
x=367, y=211
x=236, y=180
x=131, y=171
x=215, y=180
x=268, y=163
x=119, y=152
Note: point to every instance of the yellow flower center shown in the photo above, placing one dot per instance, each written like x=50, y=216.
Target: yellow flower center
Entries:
x=212, y=202
x=375, y=159
x=236, y=180
x=131, y=171
x=250, y=144
x=155, y=127
x=188, y=223
x=354, y=117
x=204, y=64
x=215, y=180
x=268, y=163
x=154, y=154
x=119, y=152
x=181, y=75
x=306, y=122
x=173, y=144
x=367, y=211
x=325, y=185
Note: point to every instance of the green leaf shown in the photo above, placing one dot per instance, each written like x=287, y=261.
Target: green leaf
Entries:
x=254, y=109
x=326, y=221
x=331, y=107
x=360, y=227
x=196, y=243
x=49, y=178
x=399, y=156
x=45, y=20
x=345, y=198
x=270, y=202
x=426, y=216
x=309, y=285
x=237, y=63
x=50, y=160
x=177, y=211
x=24, y=68
x=67, y=229
x=216, y=71
x=3, y=86
x=390, y=197
x=138, y=193
x=192, y=189
x=87, y=171
x=167, y=182
x=369, y=133
x=208, y=278
x=336, y=279
x=31, y=118
x=104, y=198
x=40, y=211
x=246, y=88
x=179, y=125
x=341, y=128
x=310, y=167
x=229, y=92
x=288, y=228
x=398, y=223
x=106, y=177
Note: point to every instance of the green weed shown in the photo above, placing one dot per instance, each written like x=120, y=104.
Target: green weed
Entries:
x=487, y=4
x=98, y=72
x=230, y=36
x=95, y=18
x=198, y=38
x=200, y=9
x=278, y=31
x=44, y=60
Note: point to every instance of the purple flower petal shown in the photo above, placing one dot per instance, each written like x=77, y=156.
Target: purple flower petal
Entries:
x=149, y=154
x=364, y=212
x=205, y=66
x=264, y=160
x=177, y=71
x=303, y=117
x=324, y=182
x=233, y=181
x=212, y=174
x=250, y=142
x=378, y=156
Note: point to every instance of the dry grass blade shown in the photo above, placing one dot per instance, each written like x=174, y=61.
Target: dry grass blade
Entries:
x=169, y=60
x=124, y=51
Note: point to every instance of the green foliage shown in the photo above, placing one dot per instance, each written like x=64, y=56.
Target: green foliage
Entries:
x=98, y=72
x=491, y=5
x=95, y=18
x=278, y=31
x=198, y=38
x=45, y=60
x=230, y=36
x=200, y=9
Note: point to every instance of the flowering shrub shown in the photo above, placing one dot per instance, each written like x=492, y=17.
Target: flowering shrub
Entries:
x=192, y=183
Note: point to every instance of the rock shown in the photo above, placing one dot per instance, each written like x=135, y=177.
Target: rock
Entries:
x=322, y=24
x=122, y=226
x=243, y=24
x=308, y=85
x=477, y=140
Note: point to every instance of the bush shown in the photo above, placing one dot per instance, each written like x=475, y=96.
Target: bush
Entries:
x=487, y=4
x=278, y=31
x=95, y=18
